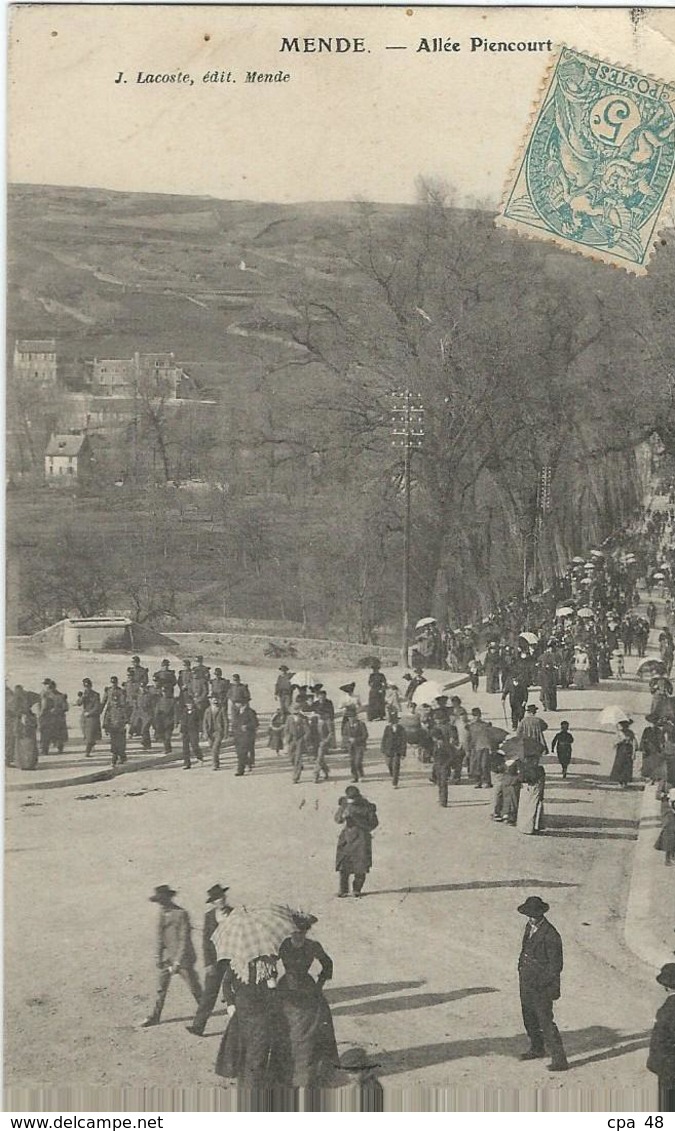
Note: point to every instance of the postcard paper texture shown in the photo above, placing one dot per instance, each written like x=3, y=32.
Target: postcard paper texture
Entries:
x=338, y=478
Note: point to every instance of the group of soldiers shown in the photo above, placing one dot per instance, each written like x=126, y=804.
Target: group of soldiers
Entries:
x=202, y=706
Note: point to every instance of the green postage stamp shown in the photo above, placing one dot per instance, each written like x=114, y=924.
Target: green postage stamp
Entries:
x=597, y=165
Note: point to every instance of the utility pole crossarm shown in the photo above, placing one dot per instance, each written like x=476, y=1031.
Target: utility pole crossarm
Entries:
x=407, y=430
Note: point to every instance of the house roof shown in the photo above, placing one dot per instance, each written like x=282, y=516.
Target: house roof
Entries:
x=45, y=345
x=65, y=444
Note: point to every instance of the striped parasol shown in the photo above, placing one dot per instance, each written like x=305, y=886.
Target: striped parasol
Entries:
x=252, y=932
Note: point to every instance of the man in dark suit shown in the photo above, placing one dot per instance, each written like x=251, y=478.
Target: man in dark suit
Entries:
x=214, y=968
x=394, y=747
x=661, y=1059
x=539, y=968
x=175, y=953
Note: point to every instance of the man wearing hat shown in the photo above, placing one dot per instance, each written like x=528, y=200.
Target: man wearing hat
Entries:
x=661, y=1059
x=516, y=692
x=238, y=693
x=114, y=720
x=175, y=952
x=165, y=677
x=539, y=968
x=296, y=737
x=354, y=738
x=140, y=674
x=394, y=746
x=214, y=967
x=479, y=749
x=283, y=689
x=215, y=728
x=533, y=728
x=244, y=729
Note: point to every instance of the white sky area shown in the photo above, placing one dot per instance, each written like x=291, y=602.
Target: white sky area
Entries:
x=344, y=126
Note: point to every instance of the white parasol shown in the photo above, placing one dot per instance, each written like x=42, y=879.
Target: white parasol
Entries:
x=529, y=637
x=585, y=613
x=566, y=611
x=304, y=678
x=427, y=692
x=611, y=716
x=425, y=621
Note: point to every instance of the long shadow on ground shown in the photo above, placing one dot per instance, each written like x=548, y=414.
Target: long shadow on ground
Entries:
x=335, y=994
x=477, y=885
x=412, y=1001
x=601, y=1042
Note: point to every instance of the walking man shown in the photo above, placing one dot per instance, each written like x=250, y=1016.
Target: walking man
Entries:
x=90, y=702
x=165, y=715
x=442, y=748
x=115, y=721
x=394, y=746
x=479, y=749
x=517, y=694
x=214, y=968
x=539, y=968
x=283, y=689
x=189, y=729
x=296, y=733
x=532, y=730
x=355, y=737
x=354, y=854
x=244, y=728
x=175, y=952
x=215, y=728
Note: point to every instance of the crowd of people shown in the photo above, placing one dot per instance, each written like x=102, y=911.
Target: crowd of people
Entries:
x=279, y=1034
x=201, y=706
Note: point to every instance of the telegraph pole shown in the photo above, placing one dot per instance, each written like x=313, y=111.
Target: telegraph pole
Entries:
x=407, y=429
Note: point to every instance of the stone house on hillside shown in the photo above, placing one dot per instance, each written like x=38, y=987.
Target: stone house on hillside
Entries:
x=68, y=458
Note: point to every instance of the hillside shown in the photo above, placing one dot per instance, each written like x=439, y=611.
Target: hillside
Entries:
x=301, y=320
x=108, y=272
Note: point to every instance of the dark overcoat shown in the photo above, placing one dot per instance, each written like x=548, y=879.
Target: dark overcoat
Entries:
x=541, y=960
x=355, y=843
x=661, y=1059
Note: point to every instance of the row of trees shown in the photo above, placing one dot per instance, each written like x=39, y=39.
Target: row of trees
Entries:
x=525, y=357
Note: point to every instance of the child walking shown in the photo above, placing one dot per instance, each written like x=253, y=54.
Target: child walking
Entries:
x=562, y=746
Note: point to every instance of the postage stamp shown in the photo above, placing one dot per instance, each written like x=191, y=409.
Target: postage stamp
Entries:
x=598, y=162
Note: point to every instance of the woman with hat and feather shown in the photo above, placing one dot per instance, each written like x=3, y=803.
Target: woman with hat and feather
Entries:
x=306, y=1053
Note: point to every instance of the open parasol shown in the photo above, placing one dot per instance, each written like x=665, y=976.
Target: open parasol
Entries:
x=495, y=736
x=304, y=678
x=521, y=746
x=658, y=576
x=427, y=692
x=250, y=933
x=651, y=667
x=566, y=611
x=611, y=716
x=425, y=621
x=528, y=637
x=597, y=554
x=577, y=561
x=585, y=613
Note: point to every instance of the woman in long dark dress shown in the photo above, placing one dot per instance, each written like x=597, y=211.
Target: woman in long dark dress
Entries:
x=246, y=1053
x=306, y=1055
x=624, y=754
x=26, y=740
x=377, y=685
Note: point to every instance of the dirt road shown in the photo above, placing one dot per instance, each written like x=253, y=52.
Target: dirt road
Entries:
x=425, y=966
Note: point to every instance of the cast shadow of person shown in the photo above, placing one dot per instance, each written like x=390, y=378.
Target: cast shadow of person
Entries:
x=599, y=1041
